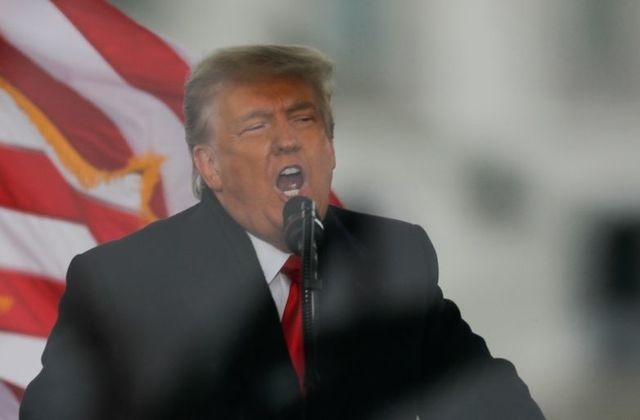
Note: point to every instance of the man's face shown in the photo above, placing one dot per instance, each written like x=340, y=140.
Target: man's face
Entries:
x=269, y=144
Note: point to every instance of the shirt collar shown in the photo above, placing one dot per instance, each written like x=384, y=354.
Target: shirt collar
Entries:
x=271, y=259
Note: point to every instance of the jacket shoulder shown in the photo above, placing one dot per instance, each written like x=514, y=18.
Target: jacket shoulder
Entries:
x=152, y=241
x=391, y=239
x=377, y=228
x=355, y=218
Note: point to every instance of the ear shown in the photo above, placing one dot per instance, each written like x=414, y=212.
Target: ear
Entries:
x=333, y=154
x=204, y=157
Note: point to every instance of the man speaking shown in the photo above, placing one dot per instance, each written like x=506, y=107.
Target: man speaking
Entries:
x=199, y=316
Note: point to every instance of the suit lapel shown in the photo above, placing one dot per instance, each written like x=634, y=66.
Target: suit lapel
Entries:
x=220, y=263
x=356, y=342
x=233, y=304
x=341, y=258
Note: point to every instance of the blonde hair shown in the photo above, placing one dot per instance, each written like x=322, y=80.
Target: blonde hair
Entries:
x=246, y=63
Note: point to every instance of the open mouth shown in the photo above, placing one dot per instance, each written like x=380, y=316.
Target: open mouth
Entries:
x=290, y=180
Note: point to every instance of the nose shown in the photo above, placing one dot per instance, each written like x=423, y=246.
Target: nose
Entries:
x=285, y=139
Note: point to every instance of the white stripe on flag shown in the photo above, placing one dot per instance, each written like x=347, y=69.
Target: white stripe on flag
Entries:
x=17, y=130
x=14, y=124
x=8, y=404
x=40, y=245
x=24, y=353
x=146, y=123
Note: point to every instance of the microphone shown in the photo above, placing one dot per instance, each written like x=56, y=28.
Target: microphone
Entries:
x=303, y=231
x=302, y=226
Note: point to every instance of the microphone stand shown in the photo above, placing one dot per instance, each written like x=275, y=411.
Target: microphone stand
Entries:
x=311, y=286
x=303, y=230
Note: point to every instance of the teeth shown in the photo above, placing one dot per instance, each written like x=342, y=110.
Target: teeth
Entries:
x=290, y=170
x=291, y=193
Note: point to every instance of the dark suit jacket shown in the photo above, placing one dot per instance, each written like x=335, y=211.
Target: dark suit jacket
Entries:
x=177, y=322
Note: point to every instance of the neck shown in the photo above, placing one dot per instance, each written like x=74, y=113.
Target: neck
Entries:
x=276, y=241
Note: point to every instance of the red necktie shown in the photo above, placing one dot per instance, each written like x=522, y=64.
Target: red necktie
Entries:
x=292, y=317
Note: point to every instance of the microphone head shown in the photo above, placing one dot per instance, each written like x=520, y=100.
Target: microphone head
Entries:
x=296, y=212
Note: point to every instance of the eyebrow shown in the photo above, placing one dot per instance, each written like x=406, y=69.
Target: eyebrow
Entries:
x=294, y=107
x=299, y=106
x=254, y=114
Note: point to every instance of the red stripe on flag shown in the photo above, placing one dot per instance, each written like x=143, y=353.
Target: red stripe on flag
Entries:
x=157, y=203
x=31, y=183
x=138, y=55
x=28, y=303
x=90, y=131
x=107, y=223
x=17, y=391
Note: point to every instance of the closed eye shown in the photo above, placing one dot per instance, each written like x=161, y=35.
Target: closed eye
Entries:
x=303, y=119
x=253, y=128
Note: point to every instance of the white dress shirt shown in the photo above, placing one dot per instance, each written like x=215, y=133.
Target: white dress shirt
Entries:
x=271, y=260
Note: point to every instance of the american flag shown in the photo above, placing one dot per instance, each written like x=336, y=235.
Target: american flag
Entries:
x=91, y=148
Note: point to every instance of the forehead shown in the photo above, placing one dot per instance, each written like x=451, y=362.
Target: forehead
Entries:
x=235, y=98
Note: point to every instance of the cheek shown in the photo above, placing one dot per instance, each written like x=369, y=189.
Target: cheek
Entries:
x=329, y=161
x=250, y=184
